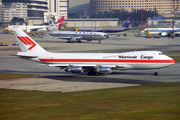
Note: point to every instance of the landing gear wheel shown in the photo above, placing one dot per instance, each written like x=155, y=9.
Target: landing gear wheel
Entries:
x=92, y=72
x=99, y=42
x=68, y=41
x=156, y=73
x=96, y=73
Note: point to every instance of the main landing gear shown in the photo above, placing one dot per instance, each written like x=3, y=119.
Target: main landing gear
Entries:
x=156, y=73
x=92, y=72
x=99, y=42
x=79, y=41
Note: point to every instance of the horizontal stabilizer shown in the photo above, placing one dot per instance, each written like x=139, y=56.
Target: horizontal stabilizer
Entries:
x=24, y=54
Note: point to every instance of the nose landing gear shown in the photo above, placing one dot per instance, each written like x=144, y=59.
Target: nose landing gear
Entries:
x=156, y=73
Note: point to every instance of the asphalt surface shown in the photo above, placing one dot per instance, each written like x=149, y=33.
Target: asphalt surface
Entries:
x=54, y=79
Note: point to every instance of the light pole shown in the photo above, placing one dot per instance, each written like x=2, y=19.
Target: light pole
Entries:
x=141, y=18
x=146, y=13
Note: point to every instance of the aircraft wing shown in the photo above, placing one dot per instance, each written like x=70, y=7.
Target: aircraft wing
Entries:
x=120, y=66
x=64, y=37
x=36, y=29
x=70, y=38
x=66, y=65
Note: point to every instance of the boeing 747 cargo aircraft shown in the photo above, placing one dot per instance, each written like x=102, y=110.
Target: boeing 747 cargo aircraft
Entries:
x=93, y=63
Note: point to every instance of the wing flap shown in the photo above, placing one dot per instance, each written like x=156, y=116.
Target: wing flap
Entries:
x=120, y=66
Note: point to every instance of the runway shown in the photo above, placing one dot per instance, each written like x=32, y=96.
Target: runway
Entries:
x=55, y=80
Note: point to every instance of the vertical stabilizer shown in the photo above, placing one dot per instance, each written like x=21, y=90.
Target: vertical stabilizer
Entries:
x=60, y=22
x=127, y=22
x=26, y=43
x=51, y=23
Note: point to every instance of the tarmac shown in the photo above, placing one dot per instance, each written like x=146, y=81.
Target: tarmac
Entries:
x=53, y=79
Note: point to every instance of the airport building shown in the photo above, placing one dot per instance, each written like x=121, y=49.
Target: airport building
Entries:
x=78, y=8
x=92, y=22
x=8, y=12
x=33, y=11
x=57, y=9
x=162, y=6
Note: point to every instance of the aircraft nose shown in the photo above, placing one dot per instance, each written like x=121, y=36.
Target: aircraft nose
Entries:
x=173, y=61
x=142, y=31
x=106, y=36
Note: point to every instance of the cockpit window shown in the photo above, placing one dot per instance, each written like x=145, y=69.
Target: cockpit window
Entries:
x=161, y=53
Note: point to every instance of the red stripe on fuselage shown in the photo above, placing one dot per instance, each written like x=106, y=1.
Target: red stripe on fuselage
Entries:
x=107, y=60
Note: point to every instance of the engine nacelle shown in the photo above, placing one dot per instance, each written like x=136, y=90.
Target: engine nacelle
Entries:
x=75, y=69
x=164, y=34
x=73, y=39
x=104, y=70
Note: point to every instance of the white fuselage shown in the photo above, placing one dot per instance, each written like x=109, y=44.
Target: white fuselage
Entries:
x=28, y=28
x=160, y=30
x=81, y=35
x=127, y=60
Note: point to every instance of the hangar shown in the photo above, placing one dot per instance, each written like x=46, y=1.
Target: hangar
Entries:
x=92, y=22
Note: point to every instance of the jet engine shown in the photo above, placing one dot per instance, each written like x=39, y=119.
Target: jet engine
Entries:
x=105, y=70
x=73, y=39
x=75, y=69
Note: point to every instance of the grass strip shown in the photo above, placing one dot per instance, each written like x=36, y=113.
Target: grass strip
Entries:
x=5, y=76
x=146, y=102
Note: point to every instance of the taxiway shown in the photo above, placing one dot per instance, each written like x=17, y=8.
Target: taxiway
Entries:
x=55, y=80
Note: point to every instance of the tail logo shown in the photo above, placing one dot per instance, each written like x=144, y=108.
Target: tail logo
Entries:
x=58, y=24
x=128, y=21
x=50, y=22
x=27, y=41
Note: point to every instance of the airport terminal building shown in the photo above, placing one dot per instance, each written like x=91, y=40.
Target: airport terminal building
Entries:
x=92, y=22
x=162, y=6
x=32, y=11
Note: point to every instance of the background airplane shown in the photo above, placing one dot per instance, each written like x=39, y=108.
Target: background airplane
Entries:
x=123, y=27
x=27, y=28
x=93, y=63
x=31, y=28
x=72, y=36
x=55, y=27
x=160, y=31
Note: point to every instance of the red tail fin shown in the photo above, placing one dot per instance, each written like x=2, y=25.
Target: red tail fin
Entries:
x=59, y=22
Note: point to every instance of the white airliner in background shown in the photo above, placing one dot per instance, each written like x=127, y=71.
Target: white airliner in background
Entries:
x=93, y=63
x=28, y=28
x=31, y=28
x=55, y=27
x=72, y=36
x=161, y=31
